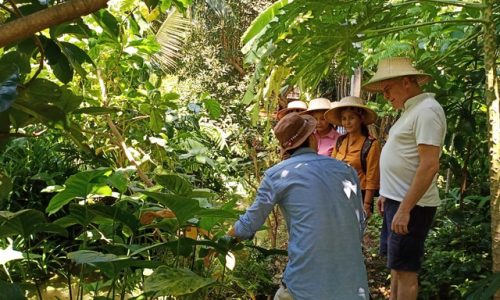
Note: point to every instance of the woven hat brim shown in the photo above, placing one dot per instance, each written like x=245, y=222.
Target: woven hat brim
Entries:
x=311, y=126
x=375, y=84
x=312, y=110
x=281, y=113
x=333, y=115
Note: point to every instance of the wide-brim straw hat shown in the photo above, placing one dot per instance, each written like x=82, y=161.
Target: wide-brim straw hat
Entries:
x=318, y=104
x=293, y=130
x=291, y=106
x=333, y=115
x=391, y=68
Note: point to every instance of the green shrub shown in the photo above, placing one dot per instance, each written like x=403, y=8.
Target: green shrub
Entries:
x=458, y=248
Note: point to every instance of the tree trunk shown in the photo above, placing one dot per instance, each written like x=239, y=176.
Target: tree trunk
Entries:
x=25, y=27
x=356, y=79
x=493, y=103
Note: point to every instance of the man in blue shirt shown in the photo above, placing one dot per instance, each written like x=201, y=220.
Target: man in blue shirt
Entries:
x=320, y=198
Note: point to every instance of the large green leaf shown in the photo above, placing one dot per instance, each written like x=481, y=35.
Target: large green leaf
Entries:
x=114, y=268
x=80, y=186
x=184, y=208
x=63, y=70
x=11, y=291
x=51, y=49
x=78, y=214
x=116, y=213
x=90, y=257
x=68, y=101
x=167, y=281
x=69, y=28
x=23, y=222
x=213, y=107
x=259, y=24
x=148, y=45
x=20, y=60
x=119, y=180
x=76, y=57
x=156, y=120
x=40, y=91
x=175, y=183
x=108, y=23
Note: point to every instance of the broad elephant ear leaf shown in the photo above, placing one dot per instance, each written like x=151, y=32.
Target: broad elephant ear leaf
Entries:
x=80, y=186
x=26, y=222
x=11, y=291
x=184, y=208
x=117, y=214
x=175, y=183
x=90, y=257
x=167, y=281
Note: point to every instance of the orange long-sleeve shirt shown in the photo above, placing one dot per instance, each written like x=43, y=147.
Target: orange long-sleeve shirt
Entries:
x=350, y=152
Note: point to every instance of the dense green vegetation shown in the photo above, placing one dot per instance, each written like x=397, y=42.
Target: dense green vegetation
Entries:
x=111, y=121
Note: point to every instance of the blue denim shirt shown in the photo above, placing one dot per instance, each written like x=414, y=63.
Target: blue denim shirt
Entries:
x=320, y=198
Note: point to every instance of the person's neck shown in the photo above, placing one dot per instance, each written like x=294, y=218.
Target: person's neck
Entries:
x=356, y=135
x=413, y=92
x=323, y=132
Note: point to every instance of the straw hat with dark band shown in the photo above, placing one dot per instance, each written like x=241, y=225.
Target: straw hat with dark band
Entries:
x=391, y=68
x=293, y=130
x=333, y=115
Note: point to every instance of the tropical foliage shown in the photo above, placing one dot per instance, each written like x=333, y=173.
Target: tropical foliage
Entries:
x=132, y=137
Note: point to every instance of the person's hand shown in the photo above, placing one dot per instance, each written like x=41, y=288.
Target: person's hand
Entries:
x=368, y=210
x=400, y=222
x=380, y=205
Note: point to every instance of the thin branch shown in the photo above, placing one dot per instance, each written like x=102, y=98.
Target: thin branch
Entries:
x=456, y=3
x=118, y=136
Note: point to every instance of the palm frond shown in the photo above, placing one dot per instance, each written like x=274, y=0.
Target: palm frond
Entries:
x=171, y=37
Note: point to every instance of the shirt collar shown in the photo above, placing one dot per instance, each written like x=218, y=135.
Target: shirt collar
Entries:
x=303, y=150
x=331, y=134
x=411, y=102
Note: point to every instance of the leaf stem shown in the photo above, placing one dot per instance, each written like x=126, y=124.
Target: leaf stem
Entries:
x=385, y=31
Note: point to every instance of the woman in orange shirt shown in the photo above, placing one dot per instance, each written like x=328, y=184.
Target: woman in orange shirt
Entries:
x=354, y=116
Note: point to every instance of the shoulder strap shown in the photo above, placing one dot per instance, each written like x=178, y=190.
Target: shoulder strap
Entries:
x=364, y=151
x=340, y=139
